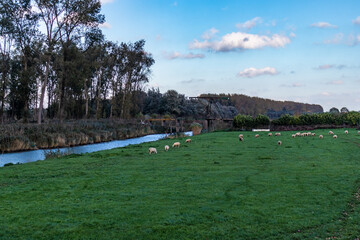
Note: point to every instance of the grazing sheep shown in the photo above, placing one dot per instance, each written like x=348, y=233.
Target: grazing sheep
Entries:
x=358, y=132
x=293, y=136
x=152, y=150
x=241, y=136
x=176, y=144
x=335, y=136
x=298, y=134
x=166, y=148
x=313, y=134
x=270, y=134
x=277, y=134
x=188, y=140
x=331, y=132
x=279, y=143
x=346, y=131
x=241, y=139
x=257, y=135
x=321, y=136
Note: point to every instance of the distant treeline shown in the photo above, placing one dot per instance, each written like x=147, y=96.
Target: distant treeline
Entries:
x=254, y=105
x=328, y=118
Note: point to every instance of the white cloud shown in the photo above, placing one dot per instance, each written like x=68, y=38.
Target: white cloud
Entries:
x=336, y=39
x=329, y=66
x=325, y=94
x=292, y=35
x=177, y=55
x=193, y=81
x=239, y=41
x=249, y=24
x=294, y=85
x=106, y=1
x=356, y=20
x=209, y=34
x=323, y=25
x=335, y=82
x=254, y=72
x=105, y=25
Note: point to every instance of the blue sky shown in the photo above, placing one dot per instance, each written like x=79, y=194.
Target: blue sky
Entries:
x=306, y=51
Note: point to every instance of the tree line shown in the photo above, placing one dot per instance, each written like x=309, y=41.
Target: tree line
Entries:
x=53, y=53
x=336, y=118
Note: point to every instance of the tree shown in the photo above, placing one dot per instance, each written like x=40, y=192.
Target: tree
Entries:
x=344, y=110
x=64, y=20
x=334, y=110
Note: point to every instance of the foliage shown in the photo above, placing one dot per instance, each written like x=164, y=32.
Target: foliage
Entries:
x=214, y=188
x=351, y=118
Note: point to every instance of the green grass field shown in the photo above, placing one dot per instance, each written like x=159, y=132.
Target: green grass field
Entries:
x=213, y=188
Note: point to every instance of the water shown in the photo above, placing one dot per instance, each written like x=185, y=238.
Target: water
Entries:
x=35, y=155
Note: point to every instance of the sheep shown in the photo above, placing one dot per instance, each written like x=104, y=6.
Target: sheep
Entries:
x=335, y=136
x=346, y=131
x=277, y=134
x=321, y=136
x=331, y=132
x=358, y=132
x=293, y=136
x=270, y=134
x=279, y=143
x=241, y=136
x=188, y=140
x=152, y=150
x=313, y=134
x=176, y=144
x=166, y=148
x=298, y=134
x=257, y=135
x=241, y=139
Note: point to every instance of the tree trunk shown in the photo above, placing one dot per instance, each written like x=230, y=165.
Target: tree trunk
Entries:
x=43, y=87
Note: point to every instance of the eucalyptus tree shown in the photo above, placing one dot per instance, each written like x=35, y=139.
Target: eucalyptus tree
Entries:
x=65, y=22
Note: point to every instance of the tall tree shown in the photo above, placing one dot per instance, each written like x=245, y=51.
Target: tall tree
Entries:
x=65, y=20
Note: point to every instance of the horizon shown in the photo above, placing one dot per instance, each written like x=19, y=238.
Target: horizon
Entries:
x=286, y=51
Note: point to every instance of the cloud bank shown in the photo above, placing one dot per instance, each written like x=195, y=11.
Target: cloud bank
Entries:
x=254, y=72
x=240, y=41
x=330, y=66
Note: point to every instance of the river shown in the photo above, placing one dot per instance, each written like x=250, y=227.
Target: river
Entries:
x=36, y=155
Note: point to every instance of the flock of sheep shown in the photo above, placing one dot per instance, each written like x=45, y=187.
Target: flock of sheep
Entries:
x=241, y=139
x=298, y=134
x=176, y=144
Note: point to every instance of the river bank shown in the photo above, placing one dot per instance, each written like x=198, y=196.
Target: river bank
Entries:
x=24, y=137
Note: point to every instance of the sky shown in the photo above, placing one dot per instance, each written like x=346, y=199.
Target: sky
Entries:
x=305, y=51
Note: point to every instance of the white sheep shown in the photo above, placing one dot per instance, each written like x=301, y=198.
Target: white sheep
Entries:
x=270, y=134
x=257, y=135
x=346, y=131
x=331, y=132
x=152, y=150
x=277, y=134
x=241, y=136
x=293, y=136
x=176, y=144
x=298, y=134
x=188, y=140
x=321, y=136
x=241, y=139
x=313, y=134
x=335, y=136
x=166, y=148
x=279, y=143
x=358, y=132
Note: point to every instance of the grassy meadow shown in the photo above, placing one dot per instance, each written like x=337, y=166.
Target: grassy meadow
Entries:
x=212, y=188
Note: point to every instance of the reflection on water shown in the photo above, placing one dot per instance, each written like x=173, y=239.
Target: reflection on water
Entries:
x=35, y=155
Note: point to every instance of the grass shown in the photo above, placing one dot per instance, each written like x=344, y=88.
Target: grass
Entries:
x=213, y=188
